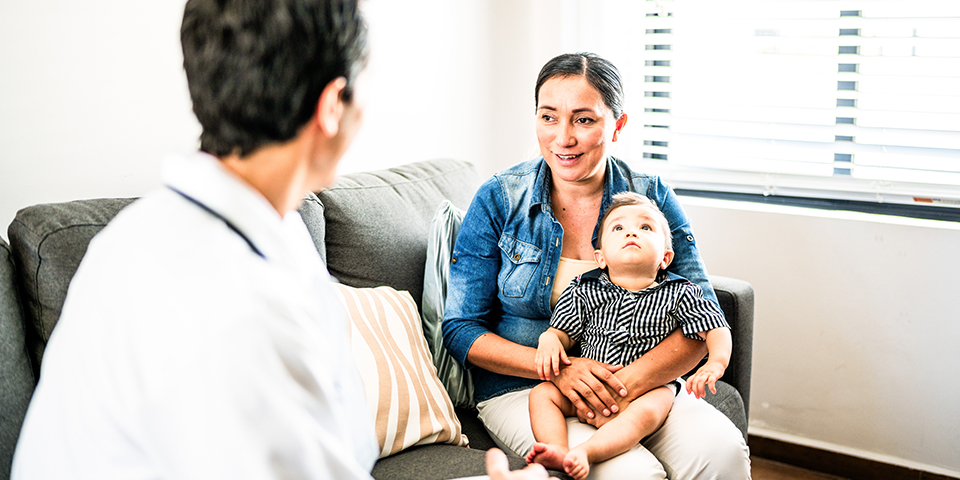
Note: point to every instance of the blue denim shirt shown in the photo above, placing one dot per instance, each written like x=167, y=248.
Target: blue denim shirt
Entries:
x=507, y=252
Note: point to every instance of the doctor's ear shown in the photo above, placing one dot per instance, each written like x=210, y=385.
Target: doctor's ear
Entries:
x=330, y=106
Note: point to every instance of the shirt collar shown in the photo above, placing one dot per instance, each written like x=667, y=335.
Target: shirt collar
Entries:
x=540, y=196
x=204, y=178
x=603, y=278
x=614, y=182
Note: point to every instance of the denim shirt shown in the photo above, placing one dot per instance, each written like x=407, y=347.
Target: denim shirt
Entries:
x=507, y=251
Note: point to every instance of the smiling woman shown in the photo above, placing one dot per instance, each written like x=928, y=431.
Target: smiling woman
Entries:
x=544, y=212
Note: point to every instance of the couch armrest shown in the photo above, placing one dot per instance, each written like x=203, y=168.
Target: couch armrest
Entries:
x=736, y=300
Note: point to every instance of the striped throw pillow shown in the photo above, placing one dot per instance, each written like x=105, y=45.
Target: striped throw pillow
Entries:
x=406, y=399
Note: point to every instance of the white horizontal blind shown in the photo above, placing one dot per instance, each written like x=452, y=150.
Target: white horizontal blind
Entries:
x=847, y=99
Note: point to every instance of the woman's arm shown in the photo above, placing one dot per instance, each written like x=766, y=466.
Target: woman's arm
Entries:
x=472, y=281
x=671, y=358
x=499, y=355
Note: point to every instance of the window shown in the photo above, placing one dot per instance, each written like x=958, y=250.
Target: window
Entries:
x=851, y=101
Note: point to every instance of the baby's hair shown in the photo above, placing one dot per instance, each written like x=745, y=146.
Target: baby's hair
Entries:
x=624, y=199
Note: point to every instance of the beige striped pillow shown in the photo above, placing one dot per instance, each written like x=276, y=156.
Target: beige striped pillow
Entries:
x=406, y=399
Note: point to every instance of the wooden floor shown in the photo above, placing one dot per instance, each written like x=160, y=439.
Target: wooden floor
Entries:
x=763, y=469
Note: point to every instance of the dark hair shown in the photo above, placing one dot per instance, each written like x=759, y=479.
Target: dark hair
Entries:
x=256, y=68
x=623, y=199
x=602, y=74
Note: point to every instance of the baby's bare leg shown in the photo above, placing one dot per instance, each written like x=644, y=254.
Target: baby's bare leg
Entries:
x=641, y=418
x=548, y=409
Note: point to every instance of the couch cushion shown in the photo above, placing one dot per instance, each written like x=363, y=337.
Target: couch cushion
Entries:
x=407, y=402
x=435, y=462
x=443, y=235
x=311, y=211
x=16, y=373
x=377, y=222
x=727, y=400
x=48, y=242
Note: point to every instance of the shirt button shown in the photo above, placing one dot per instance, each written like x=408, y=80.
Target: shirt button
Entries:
x=454, y=260
x=516, y=257
x=689, y=238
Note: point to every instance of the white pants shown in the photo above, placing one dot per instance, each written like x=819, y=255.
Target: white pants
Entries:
x=695, y=442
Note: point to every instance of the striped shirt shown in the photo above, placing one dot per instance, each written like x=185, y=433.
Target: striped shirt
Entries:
x=616, y=326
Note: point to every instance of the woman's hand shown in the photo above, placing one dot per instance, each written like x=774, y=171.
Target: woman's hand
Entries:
x=599, y=420
x=585, y=383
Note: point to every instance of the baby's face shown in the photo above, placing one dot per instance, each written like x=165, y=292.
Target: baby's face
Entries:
x=634, y=235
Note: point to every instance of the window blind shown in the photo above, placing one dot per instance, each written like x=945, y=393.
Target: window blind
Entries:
x=846, y=99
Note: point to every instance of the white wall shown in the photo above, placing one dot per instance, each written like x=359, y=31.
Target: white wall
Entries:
x=856, y=319
x=92, y=94
x=857, y=323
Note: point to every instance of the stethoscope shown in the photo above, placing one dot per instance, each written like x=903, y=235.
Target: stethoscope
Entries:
x=221, y=217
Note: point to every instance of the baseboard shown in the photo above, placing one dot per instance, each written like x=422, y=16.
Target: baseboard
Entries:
x=839, y=464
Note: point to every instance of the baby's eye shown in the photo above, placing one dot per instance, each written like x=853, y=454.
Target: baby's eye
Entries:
x=646, y=227
x=617, y=228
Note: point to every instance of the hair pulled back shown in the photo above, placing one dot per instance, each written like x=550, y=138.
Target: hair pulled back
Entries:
x=599, y=72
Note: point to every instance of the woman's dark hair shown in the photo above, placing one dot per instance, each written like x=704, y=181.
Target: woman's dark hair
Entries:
x=256, y=68
x=602, y=74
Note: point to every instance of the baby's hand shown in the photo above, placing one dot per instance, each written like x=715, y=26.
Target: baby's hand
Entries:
x=708, y=374
x=550, y=354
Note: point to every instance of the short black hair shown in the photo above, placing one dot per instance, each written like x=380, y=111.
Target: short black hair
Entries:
x=256, y=68
x=601, y=74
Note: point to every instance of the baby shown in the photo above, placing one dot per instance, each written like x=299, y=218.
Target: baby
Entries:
x=619, y=312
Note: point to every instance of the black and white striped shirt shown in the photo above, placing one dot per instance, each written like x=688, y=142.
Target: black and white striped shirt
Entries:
x=616, y=326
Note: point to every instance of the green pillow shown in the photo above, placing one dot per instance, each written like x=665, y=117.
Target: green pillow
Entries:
x=443, y=234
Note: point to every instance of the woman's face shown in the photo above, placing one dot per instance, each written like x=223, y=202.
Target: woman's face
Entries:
x=574, y=129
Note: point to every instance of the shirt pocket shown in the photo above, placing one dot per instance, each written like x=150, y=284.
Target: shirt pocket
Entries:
x=520, y=264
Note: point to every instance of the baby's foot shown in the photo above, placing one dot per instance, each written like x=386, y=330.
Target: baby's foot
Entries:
x=548, y=455
x=576, y=465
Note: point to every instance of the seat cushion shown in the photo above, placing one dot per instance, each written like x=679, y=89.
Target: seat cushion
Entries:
x=435, y=462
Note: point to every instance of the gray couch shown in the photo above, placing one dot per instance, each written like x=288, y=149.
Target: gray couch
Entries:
x=371, y=228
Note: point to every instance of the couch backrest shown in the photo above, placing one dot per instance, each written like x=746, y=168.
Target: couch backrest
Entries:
x=48, y=243
x=375, y=226
x=377, y=222
x=16, y=373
